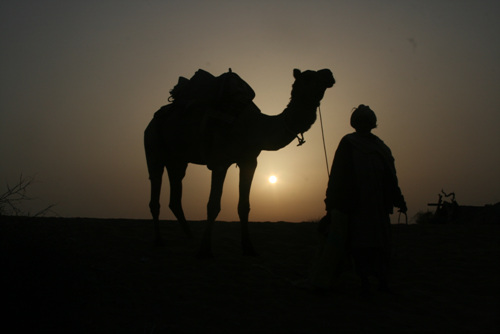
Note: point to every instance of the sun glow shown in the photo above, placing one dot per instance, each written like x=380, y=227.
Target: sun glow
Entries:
x=273, y=179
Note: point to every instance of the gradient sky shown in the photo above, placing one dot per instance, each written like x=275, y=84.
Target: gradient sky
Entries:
x=80, y=80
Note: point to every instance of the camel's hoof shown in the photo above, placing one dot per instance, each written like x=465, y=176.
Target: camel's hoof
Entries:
x=187, y=231
x=159, y=242
x=248, y=249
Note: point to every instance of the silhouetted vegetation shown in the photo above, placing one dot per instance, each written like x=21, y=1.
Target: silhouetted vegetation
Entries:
x=11, y=201
x=450, y=212
x=424, y=218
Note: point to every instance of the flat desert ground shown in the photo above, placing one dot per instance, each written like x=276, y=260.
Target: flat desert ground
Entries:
x=84, y=275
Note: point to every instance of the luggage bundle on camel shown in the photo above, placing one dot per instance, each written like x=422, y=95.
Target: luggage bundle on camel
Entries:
x=226, y=93
x=213, y=105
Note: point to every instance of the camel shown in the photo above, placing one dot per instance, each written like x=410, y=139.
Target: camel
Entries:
x=202, y=135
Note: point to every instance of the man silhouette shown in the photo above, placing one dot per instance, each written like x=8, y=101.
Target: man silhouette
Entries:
x=363, y=188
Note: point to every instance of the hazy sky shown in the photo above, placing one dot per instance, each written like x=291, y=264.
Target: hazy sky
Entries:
x=80, y=80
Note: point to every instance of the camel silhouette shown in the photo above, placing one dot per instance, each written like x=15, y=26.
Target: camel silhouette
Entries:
x=204, y=135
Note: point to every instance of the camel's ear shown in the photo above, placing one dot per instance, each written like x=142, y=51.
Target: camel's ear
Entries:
x=296, y=73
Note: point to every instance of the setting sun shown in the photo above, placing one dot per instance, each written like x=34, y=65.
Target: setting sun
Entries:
x=273, y=179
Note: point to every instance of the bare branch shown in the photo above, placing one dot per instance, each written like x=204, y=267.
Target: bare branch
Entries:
x=12, y=199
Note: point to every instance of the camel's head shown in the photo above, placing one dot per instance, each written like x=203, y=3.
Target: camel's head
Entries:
x=311, y=85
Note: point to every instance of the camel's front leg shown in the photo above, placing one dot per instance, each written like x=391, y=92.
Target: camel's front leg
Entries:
x=154, y=206
x=176, y=173
x=213, y=209
x=247, y=171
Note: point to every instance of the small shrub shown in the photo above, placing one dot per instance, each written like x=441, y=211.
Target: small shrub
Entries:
x=424, y=218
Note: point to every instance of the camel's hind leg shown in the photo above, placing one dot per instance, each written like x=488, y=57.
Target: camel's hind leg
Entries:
x=247, y=171
x=213, y=209
x=176, y=173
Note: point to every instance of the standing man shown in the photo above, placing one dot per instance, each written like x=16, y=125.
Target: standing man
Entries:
x=363, y=187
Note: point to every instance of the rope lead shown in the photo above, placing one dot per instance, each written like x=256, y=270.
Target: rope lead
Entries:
x=324, y=144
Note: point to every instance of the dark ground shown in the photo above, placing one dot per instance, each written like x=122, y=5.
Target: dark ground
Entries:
x=105, y=276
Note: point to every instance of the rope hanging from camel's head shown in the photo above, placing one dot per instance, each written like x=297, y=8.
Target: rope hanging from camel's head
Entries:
x=300, y=138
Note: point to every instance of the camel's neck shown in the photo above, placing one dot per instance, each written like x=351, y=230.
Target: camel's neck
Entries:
x=299, y=116
x=282, y=129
